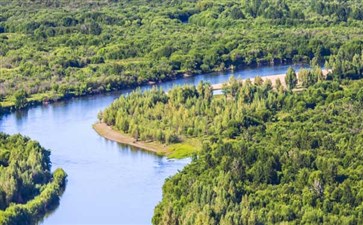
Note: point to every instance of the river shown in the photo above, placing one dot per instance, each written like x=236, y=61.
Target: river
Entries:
x=108, y=183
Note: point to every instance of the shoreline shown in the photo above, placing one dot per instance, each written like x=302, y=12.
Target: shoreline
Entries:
x=272, y=78
x=107, y=132
x=36, y=102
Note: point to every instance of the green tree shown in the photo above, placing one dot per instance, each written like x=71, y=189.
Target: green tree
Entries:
x=20, y=99
x=236, y=13
x=291, y=79
x=308, y=78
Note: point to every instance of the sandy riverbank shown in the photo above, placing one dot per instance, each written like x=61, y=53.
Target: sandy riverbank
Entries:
x=107, y=132
x=272, y=78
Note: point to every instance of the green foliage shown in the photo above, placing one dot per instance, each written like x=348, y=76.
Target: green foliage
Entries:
x=165, y=117
x=291, y=78
x=20, y=99
x=58, y=49
x=27, y=188
x=348, y=62
x=188, y=112
x=293, y=158
x=307, y=78
x=179, y=151
x=33, y=210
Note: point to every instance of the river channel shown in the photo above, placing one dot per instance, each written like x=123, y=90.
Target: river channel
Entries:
x=108, y=183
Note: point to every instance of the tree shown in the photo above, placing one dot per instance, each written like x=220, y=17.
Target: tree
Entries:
x=357, y=14
x=278, y=84
x=291, y=79
x=237, y=14
x=231, y=87
x=20, y=99
x=360, y=96
x=307, y=78
x=318, y=74
x=258, y=81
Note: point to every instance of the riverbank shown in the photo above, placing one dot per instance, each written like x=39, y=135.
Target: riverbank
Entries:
x=174, y=151
x=8, y=106
x=107, y=132
x=272, y=78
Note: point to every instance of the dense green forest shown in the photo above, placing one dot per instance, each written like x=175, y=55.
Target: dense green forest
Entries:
x=28, y=189
x=270, y=154
x=56, y=49
x=292, y=159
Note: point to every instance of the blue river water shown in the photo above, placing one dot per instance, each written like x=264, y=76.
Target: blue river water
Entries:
x=108, y=183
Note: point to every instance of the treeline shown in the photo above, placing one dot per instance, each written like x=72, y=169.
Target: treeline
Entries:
x=58, y=49
x=278, y=12
x=283, y=157
x=27, y=187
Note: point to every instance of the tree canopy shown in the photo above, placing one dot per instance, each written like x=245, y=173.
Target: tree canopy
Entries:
x=285, y=158
x=27, y=187
x=268, y=155
x=57, y=49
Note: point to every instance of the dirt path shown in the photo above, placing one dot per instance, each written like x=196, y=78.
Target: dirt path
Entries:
x=107, y=132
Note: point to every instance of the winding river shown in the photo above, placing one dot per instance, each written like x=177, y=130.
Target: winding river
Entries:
x=108, y=183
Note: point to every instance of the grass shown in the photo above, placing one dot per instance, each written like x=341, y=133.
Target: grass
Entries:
x=179, y=151
x=184, y=149
x=6, y=104
x=40, y=97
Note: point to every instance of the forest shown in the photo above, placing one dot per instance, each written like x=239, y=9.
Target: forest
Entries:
x=293, y=159
x=269, y=154
x=50, y=50
x=28, y=189
x=262, y=153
